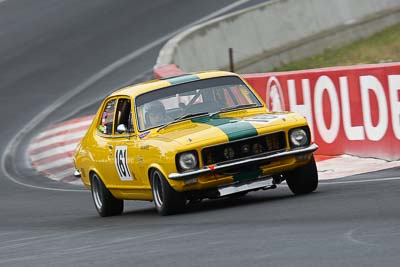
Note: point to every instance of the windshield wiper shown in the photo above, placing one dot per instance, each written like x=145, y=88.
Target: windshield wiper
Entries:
x=190, y=115
x=237, y=107
x=181, y=118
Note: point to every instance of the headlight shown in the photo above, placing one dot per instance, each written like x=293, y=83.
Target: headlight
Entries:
x=187, y=161
x=298, y=137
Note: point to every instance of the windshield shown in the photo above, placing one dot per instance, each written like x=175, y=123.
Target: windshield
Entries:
x=214, y=95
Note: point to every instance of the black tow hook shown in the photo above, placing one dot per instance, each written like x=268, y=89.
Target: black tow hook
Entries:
x=269, y=187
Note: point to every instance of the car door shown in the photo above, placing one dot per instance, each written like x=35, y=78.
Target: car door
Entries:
x=123, y=146
x=117, y=135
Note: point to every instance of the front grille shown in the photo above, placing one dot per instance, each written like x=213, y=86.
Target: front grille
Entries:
x=244, y=148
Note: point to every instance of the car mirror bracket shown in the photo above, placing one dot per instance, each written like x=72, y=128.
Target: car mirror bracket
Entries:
x=121, y=128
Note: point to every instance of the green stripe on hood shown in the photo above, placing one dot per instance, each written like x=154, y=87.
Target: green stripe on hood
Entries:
x=182, y=79
x=233, y=128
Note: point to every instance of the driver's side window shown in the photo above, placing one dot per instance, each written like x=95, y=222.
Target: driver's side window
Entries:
x=123, y=117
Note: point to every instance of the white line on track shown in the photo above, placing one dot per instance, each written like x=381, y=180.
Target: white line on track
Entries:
x=54, y=151
x=350, y=236
x=64, y=128
x=54, y=164
x=11, y=147
x=57, y=139
x=346, y=165
x=361, y=181
x=44, y=239
x=63, y=174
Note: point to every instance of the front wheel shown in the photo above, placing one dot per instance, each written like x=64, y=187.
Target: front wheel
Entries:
x=303, y=180
x=166, y=199
x=106, y=204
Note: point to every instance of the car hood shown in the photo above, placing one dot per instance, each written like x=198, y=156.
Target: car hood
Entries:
x=223, y=129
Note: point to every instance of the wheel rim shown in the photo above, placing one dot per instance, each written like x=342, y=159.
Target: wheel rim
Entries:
x=157, y=190
x=97, y=194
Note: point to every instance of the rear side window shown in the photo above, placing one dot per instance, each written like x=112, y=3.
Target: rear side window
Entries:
x=107, y=118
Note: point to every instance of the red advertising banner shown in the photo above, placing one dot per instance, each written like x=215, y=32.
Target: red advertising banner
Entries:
x=351, y=110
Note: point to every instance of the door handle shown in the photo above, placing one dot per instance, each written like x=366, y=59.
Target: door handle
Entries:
x=110, y=147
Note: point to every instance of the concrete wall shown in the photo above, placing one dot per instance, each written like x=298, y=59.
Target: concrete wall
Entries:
x=277, y=32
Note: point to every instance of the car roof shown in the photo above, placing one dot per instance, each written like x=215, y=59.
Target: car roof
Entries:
x=138, y=89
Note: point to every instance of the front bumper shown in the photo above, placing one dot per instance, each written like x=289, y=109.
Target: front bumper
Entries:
x=246, y=186
x=243, y=162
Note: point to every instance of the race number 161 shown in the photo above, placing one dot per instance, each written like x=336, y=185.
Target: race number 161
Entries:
x=121, y=163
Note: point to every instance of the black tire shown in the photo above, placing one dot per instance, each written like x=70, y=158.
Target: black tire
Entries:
x=166, y=199
x=303, y=180
x=106, y=204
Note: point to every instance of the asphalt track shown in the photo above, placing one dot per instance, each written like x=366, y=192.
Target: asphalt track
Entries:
x=49, y=48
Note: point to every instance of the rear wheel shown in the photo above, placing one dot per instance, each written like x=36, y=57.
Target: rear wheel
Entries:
x=106, y=204
x=166, y=199
x=303, y=180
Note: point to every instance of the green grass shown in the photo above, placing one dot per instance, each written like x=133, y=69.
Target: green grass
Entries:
x=379, y=48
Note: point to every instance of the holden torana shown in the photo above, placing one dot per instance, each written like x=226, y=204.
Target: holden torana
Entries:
x=191, y=137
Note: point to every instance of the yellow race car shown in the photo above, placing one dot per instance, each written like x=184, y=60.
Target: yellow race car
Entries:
x=190, y=137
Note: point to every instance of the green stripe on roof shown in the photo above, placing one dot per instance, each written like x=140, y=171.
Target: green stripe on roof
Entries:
x=182, y=79
x=234, y=129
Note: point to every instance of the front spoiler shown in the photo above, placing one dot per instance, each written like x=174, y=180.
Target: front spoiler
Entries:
x=246, y=186
x=220, y=167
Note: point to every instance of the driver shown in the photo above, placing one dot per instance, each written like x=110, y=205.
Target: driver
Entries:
x=155, y=114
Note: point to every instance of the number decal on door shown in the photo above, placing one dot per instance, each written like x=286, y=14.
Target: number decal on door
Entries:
x=121, y=163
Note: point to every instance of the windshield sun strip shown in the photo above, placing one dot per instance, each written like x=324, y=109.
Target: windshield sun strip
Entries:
x=215, y=81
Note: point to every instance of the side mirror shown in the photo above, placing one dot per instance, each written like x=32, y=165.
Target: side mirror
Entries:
x=121, y=129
